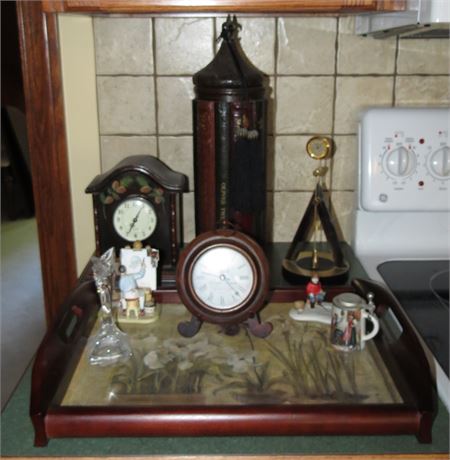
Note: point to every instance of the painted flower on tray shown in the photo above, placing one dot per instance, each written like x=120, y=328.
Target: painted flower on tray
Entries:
x=241, y=362
x=152, y=361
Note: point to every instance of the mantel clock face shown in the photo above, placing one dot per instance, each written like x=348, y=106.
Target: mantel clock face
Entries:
x=139, y=200
x=135, y=219
x=223, y=277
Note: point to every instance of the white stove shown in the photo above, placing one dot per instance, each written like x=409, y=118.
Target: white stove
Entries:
x=402, y=220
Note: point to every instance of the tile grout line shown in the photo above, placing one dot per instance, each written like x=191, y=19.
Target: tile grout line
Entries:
x=288, y=75
x=155, y=85
x=333, y=103
x=270, y=201
x=274, y=115
x=394, y=82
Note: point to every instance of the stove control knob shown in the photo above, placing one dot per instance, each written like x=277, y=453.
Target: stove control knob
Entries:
x=400, y=162
x=439, y=163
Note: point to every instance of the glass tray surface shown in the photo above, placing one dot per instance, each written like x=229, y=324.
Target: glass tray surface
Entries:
x=294, y=365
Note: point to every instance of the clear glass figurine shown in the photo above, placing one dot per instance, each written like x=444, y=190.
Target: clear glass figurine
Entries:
x=110, y=345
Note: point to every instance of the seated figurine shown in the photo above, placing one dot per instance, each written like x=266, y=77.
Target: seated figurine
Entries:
x=314, y=292
x=138, y=280
x=129, y=290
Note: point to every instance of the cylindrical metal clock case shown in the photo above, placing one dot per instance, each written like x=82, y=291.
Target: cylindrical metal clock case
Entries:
x=230, y=130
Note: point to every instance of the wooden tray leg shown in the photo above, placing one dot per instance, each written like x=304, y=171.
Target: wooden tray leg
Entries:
x=424, y=434
x=40, y=435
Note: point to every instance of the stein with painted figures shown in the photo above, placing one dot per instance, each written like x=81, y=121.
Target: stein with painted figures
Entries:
x=350, y=320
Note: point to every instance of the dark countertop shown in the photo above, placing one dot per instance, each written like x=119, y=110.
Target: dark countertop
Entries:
x=17, y=435
x=17, y=440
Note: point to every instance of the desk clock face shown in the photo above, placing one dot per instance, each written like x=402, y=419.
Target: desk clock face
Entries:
x=223, y=277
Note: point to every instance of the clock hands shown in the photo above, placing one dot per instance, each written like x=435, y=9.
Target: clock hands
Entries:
x=133, y=222
x=223, y=277
x=228, y=281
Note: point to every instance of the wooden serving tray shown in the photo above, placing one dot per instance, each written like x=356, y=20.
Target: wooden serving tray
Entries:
x=291, y=383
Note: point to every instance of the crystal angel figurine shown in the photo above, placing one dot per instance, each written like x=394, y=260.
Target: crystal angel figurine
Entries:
x=110, y=345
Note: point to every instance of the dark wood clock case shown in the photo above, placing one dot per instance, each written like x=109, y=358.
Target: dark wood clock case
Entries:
x=147, y=177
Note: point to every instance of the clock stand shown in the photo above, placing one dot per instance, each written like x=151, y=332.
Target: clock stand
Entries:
x=255, y=326
x=300, y=262
x=223, y=278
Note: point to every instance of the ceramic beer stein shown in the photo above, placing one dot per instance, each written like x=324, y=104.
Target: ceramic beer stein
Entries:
x=348, y=322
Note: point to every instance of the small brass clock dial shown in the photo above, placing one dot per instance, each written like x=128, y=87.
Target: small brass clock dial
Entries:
x=319, y=148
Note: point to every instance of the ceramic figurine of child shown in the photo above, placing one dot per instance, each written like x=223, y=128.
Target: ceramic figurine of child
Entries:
x=129, y=289
x=314, y=292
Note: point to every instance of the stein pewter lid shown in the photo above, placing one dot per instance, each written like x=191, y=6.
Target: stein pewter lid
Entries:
x=348, y=300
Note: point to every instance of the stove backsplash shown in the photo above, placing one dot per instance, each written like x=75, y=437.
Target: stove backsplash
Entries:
x=321, y=74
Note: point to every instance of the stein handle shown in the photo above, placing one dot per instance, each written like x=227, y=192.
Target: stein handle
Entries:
x=376, y=326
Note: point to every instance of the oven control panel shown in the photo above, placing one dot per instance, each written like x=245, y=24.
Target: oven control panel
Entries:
x=404, y=159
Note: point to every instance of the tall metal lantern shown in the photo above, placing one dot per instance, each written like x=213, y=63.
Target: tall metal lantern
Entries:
x=230, y=131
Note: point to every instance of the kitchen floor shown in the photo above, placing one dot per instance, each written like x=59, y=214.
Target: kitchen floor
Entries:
x=22, y=305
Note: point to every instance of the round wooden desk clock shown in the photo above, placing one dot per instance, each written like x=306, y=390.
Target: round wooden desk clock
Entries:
x=223, y=278
x=139, y=200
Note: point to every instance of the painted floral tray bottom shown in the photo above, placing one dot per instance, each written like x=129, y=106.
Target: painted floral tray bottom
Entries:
x=294, y=365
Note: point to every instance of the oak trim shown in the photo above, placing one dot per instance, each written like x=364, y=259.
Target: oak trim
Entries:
x=41, y=69
x=216, y=6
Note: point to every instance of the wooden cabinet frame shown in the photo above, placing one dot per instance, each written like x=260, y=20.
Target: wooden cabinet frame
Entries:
x=45, y=108
x=215, y=6
x=42, y=79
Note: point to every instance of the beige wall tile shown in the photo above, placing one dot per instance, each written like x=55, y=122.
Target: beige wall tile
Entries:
x=175, y=96
x=177, y=153
x=424, y=56
x=304, y=105
x=345, y=163
x=257, y=40
x=183, y=45
x=344, y=207
x=126, y=105
x=117, y=148
x=289, y=208
x=293, y=166
x=354, y=94
x=301, y=107
x=123, y=46
x=306, y=45
x=363, y=55
x=188, y=217
x=428, y=90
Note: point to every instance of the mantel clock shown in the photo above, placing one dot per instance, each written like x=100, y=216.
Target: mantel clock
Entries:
x=140, y=199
